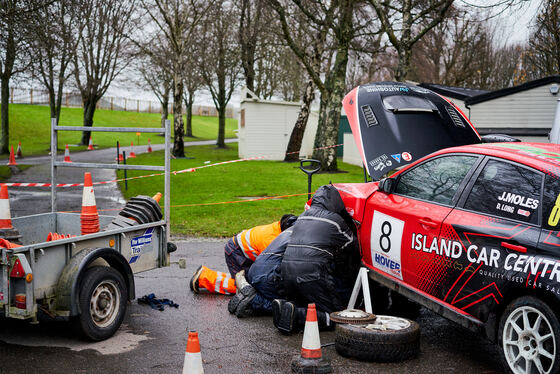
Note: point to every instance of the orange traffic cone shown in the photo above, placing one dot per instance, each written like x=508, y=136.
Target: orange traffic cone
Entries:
x=18, y=152
x=157, y=197
x=12, y=161
x=311, y=359
x=67, y=154
x=193, y=359
x=5, y=215
x=132, y=154
x=149, y=146
x=89, y=217
x=90, y=145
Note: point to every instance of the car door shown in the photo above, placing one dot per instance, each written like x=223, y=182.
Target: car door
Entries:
x=404, y=225
x=497, y=224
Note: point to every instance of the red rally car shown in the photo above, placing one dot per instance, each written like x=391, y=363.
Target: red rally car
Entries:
x=473, y=233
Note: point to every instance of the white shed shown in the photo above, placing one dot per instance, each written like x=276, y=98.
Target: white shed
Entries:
x=525, y=111
x=265, y=126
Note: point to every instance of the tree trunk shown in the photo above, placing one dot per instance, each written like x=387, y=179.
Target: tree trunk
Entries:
x=403, y=65
x=178, y=129
x=5, y=93
x=189, y=104
x=164, y=108
x=89, y=111
x=52, y=102
x=329, y=112
x=296, y=138
x=221, y=126
x=58, y=102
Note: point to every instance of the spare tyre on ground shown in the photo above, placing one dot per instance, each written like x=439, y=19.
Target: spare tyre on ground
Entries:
x=388, y=339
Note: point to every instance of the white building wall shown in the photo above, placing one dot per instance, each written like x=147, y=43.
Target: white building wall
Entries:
x=533, y=108
x=264, y=128
x=351, y=153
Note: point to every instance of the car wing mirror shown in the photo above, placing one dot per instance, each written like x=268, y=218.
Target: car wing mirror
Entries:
x=387, y=185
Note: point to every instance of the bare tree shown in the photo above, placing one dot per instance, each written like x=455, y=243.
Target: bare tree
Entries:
x=101, y=50
x=177, y=21
x=454, y=51
x=251, y=27
x=53, y=27
x=337, y=20
x=13, y=58
x=405, y=22
x=152, y=63
x=220, y=60
x=544, y=42
x=193, y=82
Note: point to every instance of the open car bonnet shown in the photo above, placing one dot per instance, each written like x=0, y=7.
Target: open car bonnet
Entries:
x=395, y=124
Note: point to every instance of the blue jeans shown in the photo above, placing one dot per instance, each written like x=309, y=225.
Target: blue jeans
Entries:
x=235, y=259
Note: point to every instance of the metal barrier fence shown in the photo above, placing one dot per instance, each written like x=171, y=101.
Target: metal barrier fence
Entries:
x=73, y=99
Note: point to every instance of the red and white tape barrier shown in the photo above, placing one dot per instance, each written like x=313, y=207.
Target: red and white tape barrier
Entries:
x=189, y=170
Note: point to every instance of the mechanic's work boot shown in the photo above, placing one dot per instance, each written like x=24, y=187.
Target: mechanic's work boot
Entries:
x=194, y=280
x=300, y=316
x=287, y=318
x=244, y=308
x=324, y=321
x=277, y=310
x=241, y=301
x=242, y=285
x=234, y=302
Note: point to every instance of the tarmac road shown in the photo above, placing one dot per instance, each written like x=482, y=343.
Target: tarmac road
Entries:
x=151, y=341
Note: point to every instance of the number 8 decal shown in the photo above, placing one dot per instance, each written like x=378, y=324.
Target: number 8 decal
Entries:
x=385, y=236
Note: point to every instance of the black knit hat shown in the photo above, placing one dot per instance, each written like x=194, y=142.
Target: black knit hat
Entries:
x=287, y=221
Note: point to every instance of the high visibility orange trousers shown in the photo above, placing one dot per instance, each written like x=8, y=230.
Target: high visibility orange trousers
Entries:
x=216, y=282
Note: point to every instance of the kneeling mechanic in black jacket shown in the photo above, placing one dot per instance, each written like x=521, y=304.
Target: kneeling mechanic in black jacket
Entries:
x=320, y=263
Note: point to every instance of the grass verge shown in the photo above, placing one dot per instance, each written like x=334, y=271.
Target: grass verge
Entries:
x=7, y=171
x=30, y=125
x=226, y=183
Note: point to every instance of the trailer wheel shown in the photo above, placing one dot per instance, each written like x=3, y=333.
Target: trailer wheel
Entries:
x=102, y=302
x=388, y=339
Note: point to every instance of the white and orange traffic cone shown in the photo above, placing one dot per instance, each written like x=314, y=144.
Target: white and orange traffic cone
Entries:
x=67, y=154
x=19, y=154
x=5, y=214
x=12, y=160
x=89, y=217
x=132, y=154
x=193, y=359
x=149, y=146
x=90, y=145
x=311, y=359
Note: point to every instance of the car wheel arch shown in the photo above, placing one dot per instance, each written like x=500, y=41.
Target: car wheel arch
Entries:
x=492, y=328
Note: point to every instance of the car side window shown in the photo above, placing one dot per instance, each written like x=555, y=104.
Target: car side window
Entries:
x=506, y=190
x=551, y=203
x=436, y=180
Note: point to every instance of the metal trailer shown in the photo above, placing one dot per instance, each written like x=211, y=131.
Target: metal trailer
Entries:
x=87, y=279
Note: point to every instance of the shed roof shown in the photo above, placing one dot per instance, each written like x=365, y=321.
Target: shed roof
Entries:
x=460, y=93
x=511, y=90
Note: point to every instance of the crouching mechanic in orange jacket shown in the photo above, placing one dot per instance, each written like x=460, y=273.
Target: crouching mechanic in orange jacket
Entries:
x=240, y=252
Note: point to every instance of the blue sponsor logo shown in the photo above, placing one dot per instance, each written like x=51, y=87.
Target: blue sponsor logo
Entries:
x=397, y=157
x=388, y=263
x=137, y=243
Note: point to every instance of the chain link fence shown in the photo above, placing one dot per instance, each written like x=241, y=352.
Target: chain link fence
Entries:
x=73, y=99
